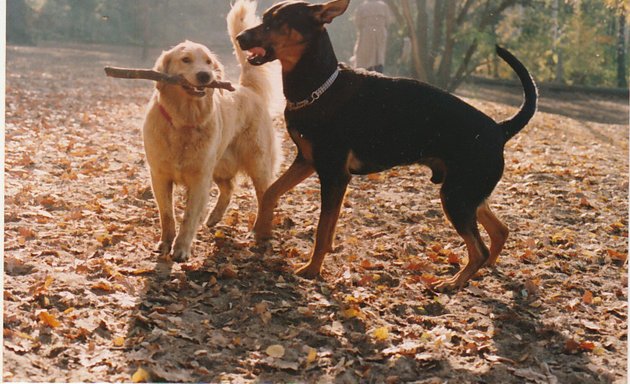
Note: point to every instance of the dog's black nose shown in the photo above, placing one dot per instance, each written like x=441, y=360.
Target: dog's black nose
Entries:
x=203, y=77
x=243, y=39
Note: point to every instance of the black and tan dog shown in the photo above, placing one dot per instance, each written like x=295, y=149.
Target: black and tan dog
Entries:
x=348, y=122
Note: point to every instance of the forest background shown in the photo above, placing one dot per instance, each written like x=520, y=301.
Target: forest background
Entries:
x=569, y=42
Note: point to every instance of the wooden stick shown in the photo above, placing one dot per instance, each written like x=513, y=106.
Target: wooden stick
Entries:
x=149, y=74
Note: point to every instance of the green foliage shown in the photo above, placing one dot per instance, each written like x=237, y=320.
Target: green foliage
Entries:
x=583, y=49
x=586, y=44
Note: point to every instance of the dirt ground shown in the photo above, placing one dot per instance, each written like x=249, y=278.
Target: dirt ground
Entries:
x=85, y=298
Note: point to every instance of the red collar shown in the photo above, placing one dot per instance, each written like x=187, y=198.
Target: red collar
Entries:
x=168, y=117
x=165, y=114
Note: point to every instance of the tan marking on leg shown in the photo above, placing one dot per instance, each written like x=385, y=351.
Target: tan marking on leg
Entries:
x=497, y=231
x=476, y=259
x=295, y=174
x=332, y=199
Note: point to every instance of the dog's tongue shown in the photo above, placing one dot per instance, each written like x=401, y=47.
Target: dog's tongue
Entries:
x=258, y=51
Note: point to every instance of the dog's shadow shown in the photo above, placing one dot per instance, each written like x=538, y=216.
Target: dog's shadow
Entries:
x=240, y=313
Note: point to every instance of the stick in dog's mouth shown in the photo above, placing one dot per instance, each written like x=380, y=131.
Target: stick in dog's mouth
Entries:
x=149, y=74
x=197, y=91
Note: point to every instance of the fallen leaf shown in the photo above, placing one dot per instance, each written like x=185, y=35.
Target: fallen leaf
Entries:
x=140, y=376
x=229, y=272
x=276, y=351
x=311, y=356
x=381, y=334
x=587, y=298
x=49, y=320
x=571, y=346
x=617, y=256
x=103, y=286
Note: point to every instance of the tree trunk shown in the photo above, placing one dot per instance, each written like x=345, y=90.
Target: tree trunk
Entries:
x=446, y=63
x=422, y=33
x=438, y=22
x=559, y=76
x=622, y=81
x=420, y=70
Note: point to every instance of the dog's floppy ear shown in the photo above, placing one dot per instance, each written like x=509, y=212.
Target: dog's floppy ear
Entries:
x=219, y=71
x=161, y=65
x=325, y=13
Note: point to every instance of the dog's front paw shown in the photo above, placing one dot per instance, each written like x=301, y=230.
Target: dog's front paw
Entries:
x=181, y=253
x=164, y=248
x=309, y=271
x=453, y=284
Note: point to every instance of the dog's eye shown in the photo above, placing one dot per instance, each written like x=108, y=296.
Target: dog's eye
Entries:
x=208, y=62
x=186, y=60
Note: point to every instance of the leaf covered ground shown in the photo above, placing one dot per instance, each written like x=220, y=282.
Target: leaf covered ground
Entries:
x=85, y=298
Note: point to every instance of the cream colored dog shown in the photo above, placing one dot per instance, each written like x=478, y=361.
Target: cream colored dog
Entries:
x=194, y=135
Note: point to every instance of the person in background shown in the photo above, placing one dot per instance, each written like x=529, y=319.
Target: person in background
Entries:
x=371, y=19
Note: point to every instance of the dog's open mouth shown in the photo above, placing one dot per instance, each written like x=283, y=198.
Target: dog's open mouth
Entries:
x=258, y=56
x=195, y=91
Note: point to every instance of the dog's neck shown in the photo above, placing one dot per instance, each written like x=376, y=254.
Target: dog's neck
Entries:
x=315, y=66
x=186, y=113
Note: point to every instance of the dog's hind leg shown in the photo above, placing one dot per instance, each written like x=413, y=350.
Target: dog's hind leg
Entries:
x=497, y=231
x=226, y=188
x=460, y=208
x=163, y=193
x=262, y=179
x=295, y=174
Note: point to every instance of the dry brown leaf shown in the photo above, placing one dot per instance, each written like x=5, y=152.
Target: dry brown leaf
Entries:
x=49, y=320
x=587, y=297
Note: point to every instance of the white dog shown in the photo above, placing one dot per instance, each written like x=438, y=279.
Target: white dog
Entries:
x=194, y=135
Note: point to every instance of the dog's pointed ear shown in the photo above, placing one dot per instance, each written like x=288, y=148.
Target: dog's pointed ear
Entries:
x=325, y=13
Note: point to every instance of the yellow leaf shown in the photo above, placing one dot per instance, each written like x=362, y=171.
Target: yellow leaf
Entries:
x=69, y=310
x=140, y=376
x=275, y=350
x=219, y=234
x=49, y=320
x=119, y=341
x=350, y=313
x=312, y=355
x=24, y=335
x=381, y=334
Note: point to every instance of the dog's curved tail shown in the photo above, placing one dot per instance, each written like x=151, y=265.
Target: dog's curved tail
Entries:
x=259, y=78
x=517, y=122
